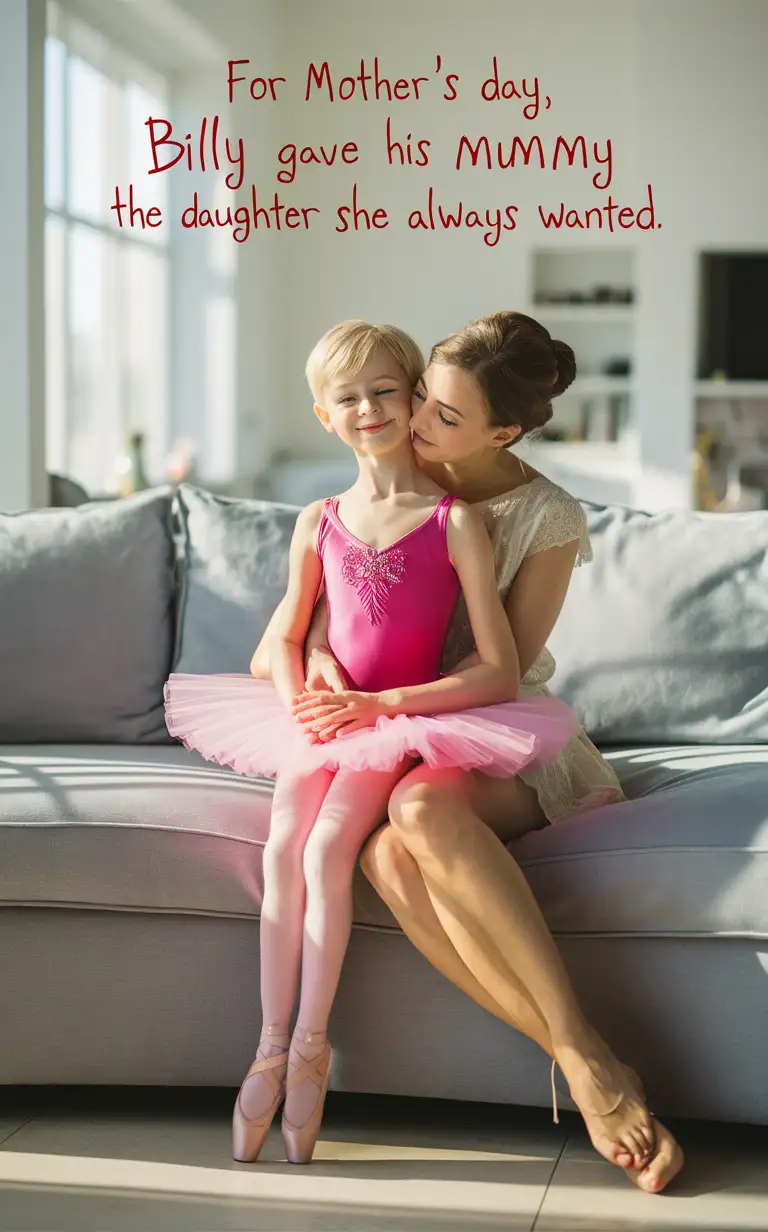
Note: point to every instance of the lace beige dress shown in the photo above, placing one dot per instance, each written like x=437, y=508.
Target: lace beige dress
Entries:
x=529, y=519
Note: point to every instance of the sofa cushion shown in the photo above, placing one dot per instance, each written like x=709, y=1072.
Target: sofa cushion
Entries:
x=159, y=829
x=236, y=572
x=129, y=828
x=685, y=855
x=86, y=622
x=664, y=638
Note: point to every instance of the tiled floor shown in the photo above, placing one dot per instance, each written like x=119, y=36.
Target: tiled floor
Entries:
x=108, y=1160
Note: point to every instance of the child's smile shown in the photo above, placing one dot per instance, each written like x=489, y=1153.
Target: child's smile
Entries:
x=375, y=427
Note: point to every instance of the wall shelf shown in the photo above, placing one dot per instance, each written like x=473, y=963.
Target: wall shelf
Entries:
x=731, y=389
x=596, y=383
x=592, y=313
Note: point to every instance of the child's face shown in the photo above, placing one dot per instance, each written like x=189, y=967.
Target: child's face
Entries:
x=370, y=411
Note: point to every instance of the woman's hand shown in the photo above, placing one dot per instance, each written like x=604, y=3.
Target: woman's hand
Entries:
x=327, y=715
x=323, y=672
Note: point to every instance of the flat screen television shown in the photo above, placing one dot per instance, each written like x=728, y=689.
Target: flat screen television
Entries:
x=733, y=335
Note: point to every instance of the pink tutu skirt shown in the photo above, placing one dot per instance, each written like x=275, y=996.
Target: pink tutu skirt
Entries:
x=241, y=722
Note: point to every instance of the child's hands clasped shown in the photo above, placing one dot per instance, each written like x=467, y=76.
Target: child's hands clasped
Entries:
x=327, y=715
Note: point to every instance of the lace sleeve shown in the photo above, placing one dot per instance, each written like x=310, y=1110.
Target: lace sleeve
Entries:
x=560, y=520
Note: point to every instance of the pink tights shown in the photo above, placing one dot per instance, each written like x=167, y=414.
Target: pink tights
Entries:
x=320, y=820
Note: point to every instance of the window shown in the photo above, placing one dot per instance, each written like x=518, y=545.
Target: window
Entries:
x=107, y=288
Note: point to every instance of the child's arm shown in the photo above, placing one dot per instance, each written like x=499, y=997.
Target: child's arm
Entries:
x=293, y=616
x=320, y=667
x=260, y=665
x=495, y=676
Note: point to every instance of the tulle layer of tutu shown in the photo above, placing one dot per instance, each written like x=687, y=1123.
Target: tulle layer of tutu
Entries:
x=238, y=721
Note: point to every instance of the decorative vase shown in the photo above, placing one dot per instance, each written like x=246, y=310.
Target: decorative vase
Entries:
x=131, y=473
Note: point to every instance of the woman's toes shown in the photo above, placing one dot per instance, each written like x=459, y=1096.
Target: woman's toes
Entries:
x=651, y=1178
x=635, y=1146
x=645, y=1145
x=628, y=1145
x=663, y=1168
x=644, y=1138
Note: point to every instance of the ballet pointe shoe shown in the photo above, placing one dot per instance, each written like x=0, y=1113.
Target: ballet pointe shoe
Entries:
x=300, y=1140
x=249, y=1133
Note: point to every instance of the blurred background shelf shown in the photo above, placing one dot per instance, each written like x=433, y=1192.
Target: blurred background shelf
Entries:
x=731, y=389
x=587, y=297
x=596, y=383
x=592, y=313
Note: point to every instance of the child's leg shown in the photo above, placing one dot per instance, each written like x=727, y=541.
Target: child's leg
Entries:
x=354, y=805
x=297, y=801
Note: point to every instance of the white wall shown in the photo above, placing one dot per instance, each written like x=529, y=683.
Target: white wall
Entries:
x=22, y=410
x=237, y=441
x=679, y=88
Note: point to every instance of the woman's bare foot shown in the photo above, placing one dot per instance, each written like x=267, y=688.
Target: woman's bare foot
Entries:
x=635, y=1079
x=606, y=1094
x=668, y=1158
x=663, y=1167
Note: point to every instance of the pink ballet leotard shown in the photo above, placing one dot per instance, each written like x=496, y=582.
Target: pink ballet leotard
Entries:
x=389, y=610
x=388, y=618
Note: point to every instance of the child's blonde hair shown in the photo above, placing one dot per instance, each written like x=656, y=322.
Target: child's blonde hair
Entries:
x=346, y=348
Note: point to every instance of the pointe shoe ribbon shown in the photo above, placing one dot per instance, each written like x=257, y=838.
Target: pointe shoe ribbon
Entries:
x=249, y=1133
x=555, y=1116
x=300, y=1140
x=590, y=1111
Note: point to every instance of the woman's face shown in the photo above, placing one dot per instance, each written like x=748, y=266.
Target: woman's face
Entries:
x=450, y=420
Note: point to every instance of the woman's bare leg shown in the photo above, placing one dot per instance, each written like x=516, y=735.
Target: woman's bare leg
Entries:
x=397, y=879
x=480, y=895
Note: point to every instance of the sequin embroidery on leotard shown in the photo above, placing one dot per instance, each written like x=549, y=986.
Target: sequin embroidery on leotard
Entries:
x=373, y=574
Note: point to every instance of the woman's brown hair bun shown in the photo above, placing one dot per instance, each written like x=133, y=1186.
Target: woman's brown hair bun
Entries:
x=518, y=366
x=566, y=366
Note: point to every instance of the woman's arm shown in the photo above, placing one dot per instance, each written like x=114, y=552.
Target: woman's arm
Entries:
x=534, y=603
x=292, y=619
x=536, y=598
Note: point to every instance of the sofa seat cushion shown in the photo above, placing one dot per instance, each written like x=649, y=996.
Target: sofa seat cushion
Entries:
x=685, y=855
x=130, y=828
x=158, y=829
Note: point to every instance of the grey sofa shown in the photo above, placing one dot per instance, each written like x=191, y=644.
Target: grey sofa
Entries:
x=130, y=870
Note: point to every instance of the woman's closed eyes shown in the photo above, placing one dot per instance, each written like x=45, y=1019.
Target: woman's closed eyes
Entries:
x=421, y=393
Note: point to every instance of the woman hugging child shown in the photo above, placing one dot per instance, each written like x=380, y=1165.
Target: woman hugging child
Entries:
x=392, y=555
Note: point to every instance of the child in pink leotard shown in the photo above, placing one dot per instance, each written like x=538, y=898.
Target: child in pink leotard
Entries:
x=392, y=553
